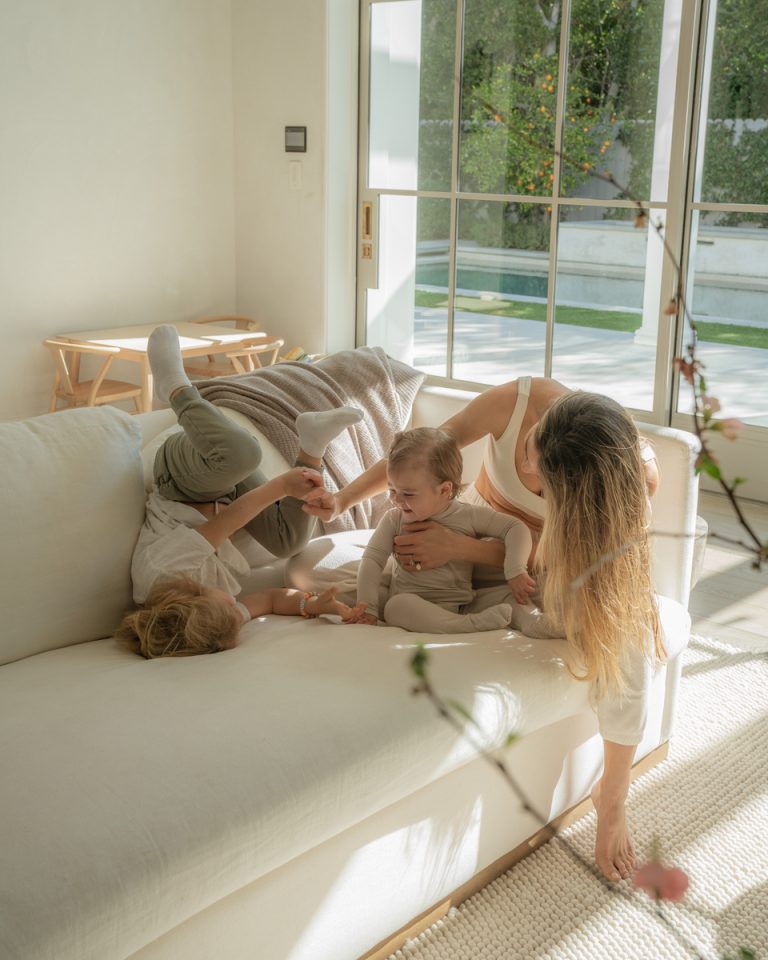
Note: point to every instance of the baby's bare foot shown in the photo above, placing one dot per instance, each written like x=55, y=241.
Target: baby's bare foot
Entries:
x=614, y=852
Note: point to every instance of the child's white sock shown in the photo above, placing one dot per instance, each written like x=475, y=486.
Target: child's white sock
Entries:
x=316, y=430
x=165, y=360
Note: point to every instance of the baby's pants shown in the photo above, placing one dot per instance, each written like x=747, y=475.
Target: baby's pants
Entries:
x=212, y=458
x=412, y=612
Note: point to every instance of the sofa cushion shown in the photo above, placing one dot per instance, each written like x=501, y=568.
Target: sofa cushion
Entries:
x=179, y=781
x=74, y=503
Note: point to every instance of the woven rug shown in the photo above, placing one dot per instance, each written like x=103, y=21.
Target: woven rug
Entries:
x=708, y=805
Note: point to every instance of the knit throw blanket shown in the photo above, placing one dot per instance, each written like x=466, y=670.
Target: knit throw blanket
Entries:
x=272, y=397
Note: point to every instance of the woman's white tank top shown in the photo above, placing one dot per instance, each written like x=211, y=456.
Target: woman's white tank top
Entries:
x=498, y=484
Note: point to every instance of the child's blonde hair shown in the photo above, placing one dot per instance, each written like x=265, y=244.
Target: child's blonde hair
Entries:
x=435, y=449
x=179, y=618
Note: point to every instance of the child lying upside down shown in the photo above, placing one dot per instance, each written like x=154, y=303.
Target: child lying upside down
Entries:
x=208, y=486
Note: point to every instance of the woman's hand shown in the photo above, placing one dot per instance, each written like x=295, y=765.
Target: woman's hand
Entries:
x=321, y=503
x=426, y=545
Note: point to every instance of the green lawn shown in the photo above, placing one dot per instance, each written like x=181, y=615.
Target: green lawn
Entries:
x=597, y=319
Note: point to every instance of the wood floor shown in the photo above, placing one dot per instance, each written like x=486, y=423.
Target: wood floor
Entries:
x=730, y=600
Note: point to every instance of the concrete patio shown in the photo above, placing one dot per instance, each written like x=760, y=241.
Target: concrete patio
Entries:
x=491, y=349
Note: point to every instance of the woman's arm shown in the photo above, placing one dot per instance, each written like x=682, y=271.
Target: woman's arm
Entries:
x=487, y=413
x=295, y=483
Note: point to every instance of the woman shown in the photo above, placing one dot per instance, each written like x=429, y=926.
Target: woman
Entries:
x=572, y=467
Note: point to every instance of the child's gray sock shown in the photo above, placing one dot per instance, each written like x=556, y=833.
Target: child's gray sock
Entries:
x=316, y=430
x=494, y=618
x=165, y=360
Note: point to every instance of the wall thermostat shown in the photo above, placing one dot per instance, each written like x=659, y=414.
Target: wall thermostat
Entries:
x=295, y=139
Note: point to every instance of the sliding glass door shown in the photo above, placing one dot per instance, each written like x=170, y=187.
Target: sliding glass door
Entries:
x=505, y=149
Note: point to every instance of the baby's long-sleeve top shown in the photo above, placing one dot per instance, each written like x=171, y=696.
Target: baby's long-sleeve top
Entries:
x=450, y=584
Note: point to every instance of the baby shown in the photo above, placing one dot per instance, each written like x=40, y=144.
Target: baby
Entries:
x=424, y=471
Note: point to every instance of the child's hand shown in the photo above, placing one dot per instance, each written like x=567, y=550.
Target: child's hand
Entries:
x=359, y=614
x=521, y=587
x=326, y=602
x=299, y=481
x=321, y=503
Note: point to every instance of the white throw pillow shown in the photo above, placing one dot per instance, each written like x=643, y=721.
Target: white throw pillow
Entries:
x=73, y=504
x=328, y=561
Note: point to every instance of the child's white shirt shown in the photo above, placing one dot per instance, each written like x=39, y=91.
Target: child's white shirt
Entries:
x=169, y=545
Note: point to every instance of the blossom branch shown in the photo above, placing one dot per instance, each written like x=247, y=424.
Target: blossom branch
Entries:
x=690, y=366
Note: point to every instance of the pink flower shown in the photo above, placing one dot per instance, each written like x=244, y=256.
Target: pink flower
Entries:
x=660, y=882
x=711, y=403
x=730, y=428
x=686, y=369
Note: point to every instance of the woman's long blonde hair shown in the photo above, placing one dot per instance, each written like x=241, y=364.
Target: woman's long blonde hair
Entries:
x=595, y=539
x=179, y=618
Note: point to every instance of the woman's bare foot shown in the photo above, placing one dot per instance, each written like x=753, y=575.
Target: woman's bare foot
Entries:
x=614, y=852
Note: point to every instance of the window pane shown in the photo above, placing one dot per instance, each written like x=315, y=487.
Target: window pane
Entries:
x=431, y=299
x=408, y=318
x=502, y=265
x=393, y=134
x=735, y=166
x=606, y=312
x=610, y=113
x=728, y=299
x=438, y=51
x=509, y=91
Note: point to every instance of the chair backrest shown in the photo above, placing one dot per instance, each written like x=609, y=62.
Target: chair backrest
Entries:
x=243, y=357
x=241, y=322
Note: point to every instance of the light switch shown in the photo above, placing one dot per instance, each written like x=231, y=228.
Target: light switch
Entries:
x=295, y=139
x=294, y=174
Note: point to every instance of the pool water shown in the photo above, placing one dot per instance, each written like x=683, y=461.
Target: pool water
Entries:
x=518, y=284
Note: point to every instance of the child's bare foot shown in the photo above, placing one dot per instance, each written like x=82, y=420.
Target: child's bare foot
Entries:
x=614, y=851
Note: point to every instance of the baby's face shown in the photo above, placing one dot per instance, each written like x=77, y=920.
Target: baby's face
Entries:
x=416, y=493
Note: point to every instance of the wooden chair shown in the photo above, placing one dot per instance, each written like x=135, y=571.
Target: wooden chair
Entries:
x=244, y=359
x=74, y=392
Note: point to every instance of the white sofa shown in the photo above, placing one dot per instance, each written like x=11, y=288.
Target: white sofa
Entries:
x=286, y=799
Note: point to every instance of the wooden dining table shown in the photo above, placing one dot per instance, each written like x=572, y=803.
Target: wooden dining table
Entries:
x=195, y=340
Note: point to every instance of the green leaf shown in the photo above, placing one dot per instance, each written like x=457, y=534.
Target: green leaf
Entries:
x=737, y=481
x=511, y=738
x=419, y=661
x=706, y=465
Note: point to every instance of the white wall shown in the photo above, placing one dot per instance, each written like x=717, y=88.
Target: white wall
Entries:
x=287, y=276
x=143, y=175
x=116, y=158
